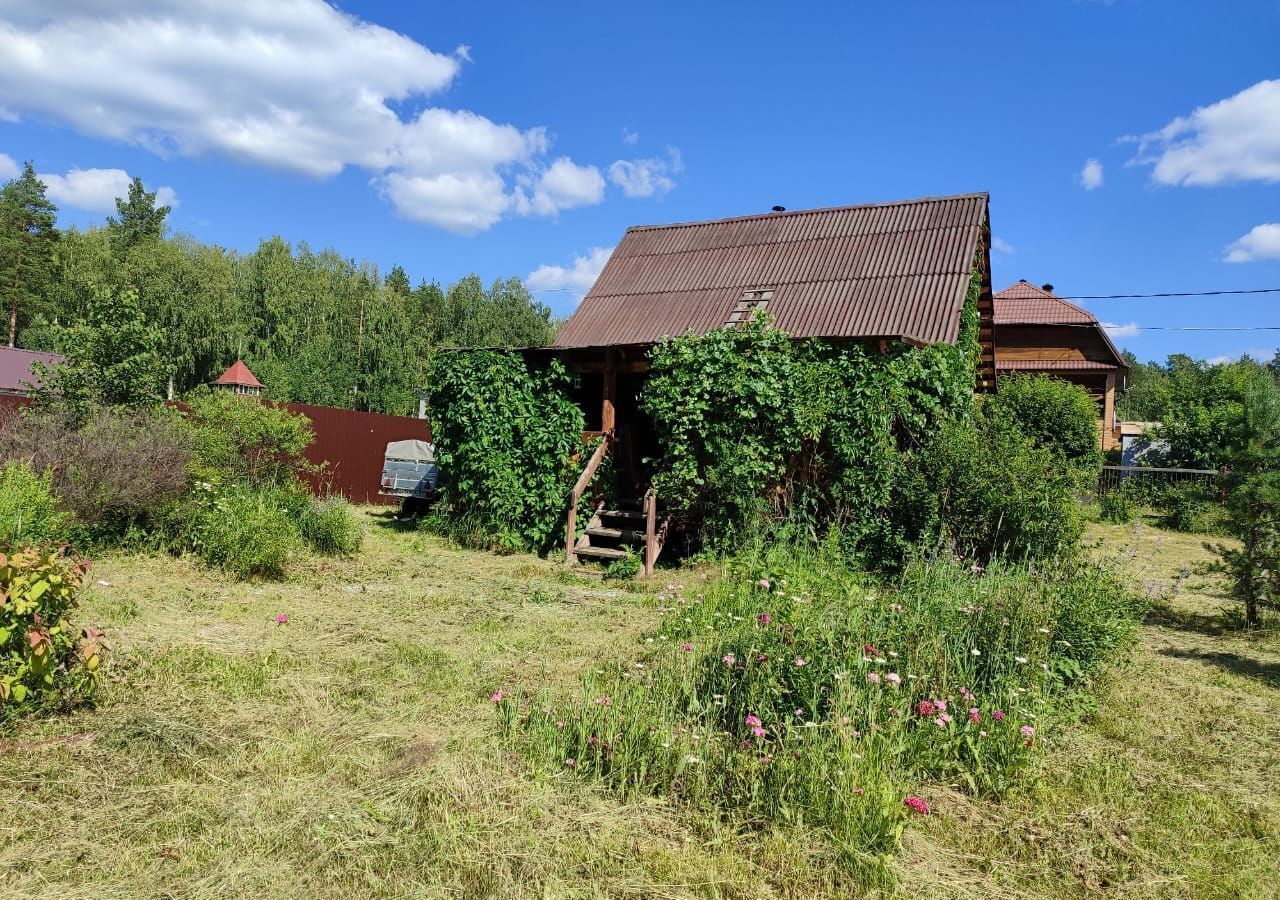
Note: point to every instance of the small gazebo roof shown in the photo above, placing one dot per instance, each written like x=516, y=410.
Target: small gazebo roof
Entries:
x=239, y=376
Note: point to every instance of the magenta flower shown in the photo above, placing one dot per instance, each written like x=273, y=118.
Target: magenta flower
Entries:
x=764, y=618
x=917, y=804
x=801, y=661
x=498, y=696
x=974, y=716
x=942, y=721
x=686, y=646
x=998, y=715
x=764, y=583
x=926, y=708
x=729, y=659
x=873, y=678
x=753, y=720
x=282, y=619
x=1026, y=731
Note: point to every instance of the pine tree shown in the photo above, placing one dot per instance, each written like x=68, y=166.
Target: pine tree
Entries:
x=140, y=218
x=27, y=236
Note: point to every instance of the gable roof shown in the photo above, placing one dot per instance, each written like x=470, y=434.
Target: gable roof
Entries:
x=1022, y=303
x=239, y=375
x=16, y=375
x=1025, y=304
x=893, y=270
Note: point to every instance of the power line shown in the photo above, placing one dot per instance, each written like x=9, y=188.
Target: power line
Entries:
x=1171, y=327
x=1275, y=290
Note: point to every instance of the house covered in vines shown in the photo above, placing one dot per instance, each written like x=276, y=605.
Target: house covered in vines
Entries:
x=881, y=275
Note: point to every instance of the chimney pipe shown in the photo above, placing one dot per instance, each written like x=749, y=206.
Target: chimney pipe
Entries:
x=1048, y=288
x=779, y=209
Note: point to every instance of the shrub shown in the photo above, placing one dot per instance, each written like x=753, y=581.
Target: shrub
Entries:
x=1116, y=506
x=241, y=439
x=29, y=514
x=1184, y=507
x=1051, y=412
x=625, y=568
x=116, y=470
x=329, y=526
x=793, y=692
x=247, y=533
x=44, y=661
x=506, y=434
x=981, y=489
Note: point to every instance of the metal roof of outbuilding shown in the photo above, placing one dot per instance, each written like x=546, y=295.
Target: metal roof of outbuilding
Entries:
x=883, y=270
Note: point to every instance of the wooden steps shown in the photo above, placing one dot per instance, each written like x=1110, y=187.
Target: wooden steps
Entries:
x=612, y=534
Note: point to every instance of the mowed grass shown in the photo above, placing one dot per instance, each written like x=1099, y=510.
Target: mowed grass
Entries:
x=353, y=751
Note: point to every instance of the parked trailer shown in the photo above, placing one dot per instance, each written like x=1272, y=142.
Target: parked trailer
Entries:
x=409, y=472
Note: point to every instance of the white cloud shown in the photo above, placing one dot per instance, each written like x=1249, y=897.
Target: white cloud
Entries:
x=96, y=190
x=1091, y=175
x=562, y=185
x=1236, y=139
x=296, y=85
x=647, y=177
x=1000, y=245
x=1122, y=331
x=575, y=278
x=1262, y=242
x=630, y=137
x=8, y=167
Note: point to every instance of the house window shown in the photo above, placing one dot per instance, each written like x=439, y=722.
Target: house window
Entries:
x=748, y=304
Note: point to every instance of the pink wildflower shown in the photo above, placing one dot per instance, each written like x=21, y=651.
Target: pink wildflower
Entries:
x=686, y=646
x=753, y=720
x=858, y=790
x=764, y=583
x=926, y=708
x=606, y=700
x=942, y=721
x=282, y=618
x=893, y=678
x=998, y=715
x=941, y=705
x=873, y=678
x=497, y=696
x=560, y=723
x=764, y=618
x=759, y=731
x=917, y=804
x=729, y=659
x=974, y=716
x=1026, y=731
x=801, y=661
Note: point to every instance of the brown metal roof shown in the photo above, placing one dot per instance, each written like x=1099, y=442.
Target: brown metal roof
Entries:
x=17, y=375
x=884, y=270
x=1057, y=365
x=1025, y=304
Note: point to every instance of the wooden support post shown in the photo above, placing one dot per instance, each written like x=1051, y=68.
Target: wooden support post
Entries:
x=650, y=532
x=1109, y=413
x=570, y=531
x=608, y=411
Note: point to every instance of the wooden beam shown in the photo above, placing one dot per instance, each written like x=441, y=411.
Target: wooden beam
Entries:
x=608, y=410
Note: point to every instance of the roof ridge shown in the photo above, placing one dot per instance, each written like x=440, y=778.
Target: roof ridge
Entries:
x=32, y=352
x=766, y=243
x=984, y=195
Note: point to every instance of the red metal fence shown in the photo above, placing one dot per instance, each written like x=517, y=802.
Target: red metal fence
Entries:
x=348, y=443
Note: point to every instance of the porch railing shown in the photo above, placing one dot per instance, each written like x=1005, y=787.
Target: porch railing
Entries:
x=575, y=496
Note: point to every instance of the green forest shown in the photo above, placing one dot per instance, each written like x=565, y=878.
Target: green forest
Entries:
x=315, y=326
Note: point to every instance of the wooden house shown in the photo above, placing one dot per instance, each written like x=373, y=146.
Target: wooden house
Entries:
x=875, y=274
x=18, y=376
x=1037, y=332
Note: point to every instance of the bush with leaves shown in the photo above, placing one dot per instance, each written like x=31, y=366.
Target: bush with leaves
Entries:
x=246, y=532
x=981, y=489
x=238, y=438
x=29, y=511
x=1053, y=413
x=329, y=527
x=1116, y=506
x=506, y=434
x=44, y=659
x=1184, y=507
x=118, y=471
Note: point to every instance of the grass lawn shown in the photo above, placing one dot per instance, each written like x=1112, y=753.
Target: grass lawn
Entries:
x=353, y=750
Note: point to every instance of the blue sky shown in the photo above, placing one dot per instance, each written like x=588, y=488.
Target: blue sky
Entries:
x=1128, y=146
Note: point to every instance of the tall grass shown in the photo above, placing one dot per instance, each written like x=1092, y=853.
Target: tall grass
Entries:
x=793, y=691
